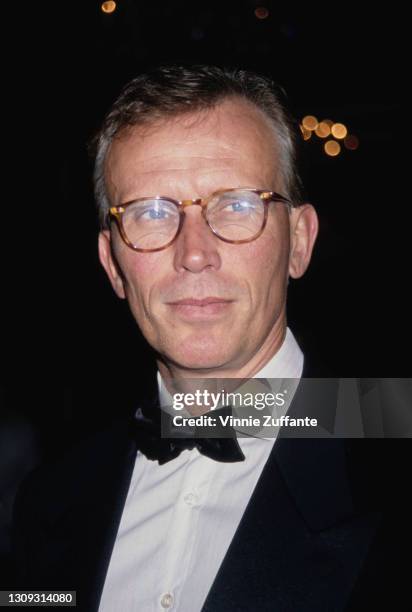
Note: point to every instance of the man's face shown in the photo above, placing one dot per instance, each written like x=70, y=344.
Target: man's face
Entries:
x=189, y=157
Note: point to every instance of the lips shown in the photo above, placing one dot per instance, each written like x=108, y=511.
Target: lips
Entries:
x=202, y=302
x=191, y=309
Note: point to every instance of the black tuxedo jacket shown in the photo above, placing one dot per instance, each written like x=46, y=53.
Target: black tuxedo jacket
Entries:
x=326, y=529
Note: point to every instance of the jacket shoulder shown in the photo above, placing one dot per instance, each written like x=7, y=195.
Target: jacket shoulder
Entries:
x=54, y=483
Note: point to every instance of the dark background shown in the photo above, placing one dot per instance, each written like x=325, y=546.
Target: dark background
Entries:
x=75, y=357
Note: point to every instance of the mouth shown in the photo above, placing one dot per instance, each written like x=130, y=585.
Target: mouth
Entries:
x=206, y=308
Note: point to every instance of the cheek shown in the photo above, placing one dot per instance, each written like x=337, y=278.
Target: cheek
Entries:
x=265, y=265
x=140, y=278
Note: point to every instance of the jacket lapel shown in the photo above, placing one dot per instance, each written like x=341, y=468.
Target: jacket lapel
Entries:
x=109, y=497
x=301, y=541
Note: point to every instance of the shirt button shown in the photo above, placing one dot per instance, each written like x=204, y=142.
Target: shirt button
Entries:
x=167, y=600
x=191, y=499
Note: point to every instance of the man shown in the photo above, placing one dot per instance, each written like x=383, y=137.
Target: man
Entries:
x=202, y=225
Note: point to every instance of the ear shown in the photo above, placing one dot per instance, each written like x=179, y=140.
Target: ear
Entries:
x=304, y=229
x=109, y=263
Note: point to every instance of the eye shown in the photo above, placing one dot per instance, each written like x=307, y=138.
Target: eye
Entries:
x=238, y=206
x=150, y=211
x=155, y=213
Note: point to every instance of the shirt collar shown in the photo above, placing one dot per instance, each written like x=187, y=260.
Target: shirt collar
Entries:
x=286, y=363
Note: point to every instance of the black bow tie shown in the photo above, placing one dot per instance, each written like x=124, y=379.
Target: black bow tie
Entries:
x=149, y=441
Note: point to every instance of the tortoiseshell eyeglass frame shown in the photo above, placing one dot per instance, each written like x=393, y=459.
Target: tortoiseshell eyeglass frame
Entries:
x=116, y=213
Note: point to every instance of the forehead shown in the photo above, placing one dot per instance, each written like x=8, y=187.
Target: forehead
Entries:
x=234, y=141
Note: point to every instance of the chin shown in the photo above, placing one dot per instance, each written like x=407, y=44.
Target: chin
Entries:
x=204, y=355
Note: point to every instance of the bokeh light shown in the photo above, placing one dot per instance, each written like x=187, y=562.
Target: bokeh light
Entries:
x=332, y=148
x=261, y=12
x=108, y=7
x=351, y=142
x=323, y=129
x=339, y=131
x=310, y=122
x=307, y=134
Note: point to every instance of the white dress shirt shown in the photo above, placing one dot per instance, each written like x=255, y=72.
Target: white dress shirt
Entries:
x=180, y=517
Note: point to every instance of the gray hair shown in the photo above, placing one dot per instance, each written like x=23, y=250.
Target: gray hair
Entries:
x=168, y=91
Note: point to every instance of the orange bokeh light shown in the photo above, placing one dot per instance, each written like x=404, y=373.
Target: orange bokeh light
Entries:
x=339, y=130
x=323, y=130
x=310, y=122
x=108, y=7
x=332, y=148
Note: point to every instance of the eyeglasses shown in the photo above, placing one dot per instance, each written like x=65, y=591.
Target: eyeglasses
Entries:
x=236, y=215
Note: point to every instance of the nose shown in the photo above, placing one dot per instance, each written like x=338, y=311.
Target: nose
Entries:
x=196, y=247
